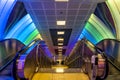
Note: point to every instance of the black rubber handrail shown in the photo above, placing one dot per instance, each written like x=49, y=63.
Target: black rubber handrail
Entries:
x=110, y=60
x=18, y=53
x=115, y=65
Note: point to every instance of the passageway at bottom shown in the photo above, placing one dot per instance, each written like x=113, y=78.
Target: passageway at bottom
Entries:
x=60, y=76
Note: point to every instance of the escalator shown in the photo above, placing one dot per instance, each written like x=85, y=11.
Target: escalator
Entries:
x=111, y=69
x=28, y=62
x=31, y=61
x=107, y=66
x=114, y=69
x=111, y=50
x=9, y=69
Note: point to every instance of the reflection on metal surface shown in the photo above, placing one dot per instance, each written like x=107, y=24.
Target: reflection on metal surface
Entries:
x=29, y=62
x=22, y=61
x=8, y=49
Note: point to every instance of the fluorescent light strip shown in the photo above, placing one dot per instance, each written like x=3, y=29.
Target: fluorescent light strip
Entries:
x=61, y=23
x=60, y=32
x=60, y=39
x=60, y=44
x=61, y=0
x=60, y=47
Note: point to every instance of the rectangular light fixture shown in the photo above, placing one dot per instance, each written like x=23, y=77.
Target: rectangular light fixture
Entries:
x=60, y=39
x=61, y=0
x=59, y=70
x=60, y=44
x=60, y=47
x=60, y=32
x=61, y=23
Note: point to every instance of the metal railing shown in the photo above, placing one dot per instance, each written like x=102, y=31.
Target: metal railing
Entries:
x=18, y=53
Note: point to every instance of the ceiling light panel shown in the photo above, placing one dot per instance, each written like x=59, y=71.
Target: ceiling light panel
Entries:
x=60, y=44
x=60, y=47
x=61, y=0
x=61, y=23
x=60, y=39
x=60, y=32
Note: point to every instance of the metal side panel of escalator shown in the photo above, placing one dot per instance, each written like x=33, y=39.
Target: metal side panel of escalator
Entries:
x=8, y=67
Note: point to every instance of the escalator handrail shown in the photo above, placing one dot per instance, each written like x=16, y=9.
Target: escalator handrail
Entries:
x=108, y=58
x=111, y=62
x=18, y=53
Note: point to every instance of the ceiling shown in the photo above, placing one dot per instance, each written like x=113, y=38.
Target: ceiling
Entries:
x=45, y=13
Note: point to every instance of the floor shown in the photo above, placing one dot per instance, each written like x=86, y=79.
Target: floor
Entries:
x=60, y=76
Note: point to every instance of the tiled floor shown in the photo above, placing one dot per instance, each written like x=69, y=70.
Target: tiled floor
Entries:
x=60, y=76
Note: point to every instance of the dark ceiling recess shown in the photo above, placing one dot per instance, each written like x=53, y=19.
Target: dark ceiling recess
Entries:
x=63, y=51
x=66, y=36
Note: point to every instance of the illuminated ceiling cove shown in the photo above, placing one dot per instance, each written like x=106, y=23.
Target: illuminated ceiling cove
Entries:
x=103, y=23
x=60, y=16
x=114, y=7
x=16, y=24
x=95, y=30
x=24, y=30
x=6, y=7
